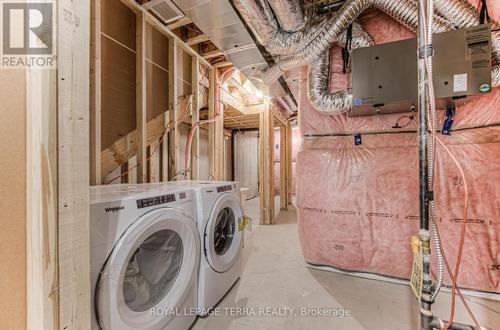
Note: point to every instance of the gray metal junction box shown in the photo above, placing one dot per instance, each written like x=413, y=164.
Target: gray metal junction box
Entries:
x=385, y=76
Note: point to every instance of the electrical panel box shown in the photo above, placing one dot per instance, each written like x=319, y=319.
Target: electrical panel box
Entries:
x=384, y=76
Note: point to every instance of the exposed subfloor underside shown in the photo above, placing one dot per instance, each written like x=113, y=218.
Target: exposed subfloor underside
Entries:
x=275, y=276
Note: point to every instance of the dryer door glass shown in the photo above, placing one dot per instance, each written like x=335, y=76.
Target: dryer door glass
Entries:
x=223, y=238
x=152, y=270
x=225, y=227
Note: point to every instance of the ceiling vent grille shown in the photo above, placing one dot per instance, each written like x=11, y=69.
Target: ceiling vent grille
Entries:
x=164, y=9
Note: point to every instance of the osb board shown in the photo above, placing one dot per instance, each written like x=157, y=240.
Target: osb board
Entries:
x=117, y=93
x=13, y=200
x=156, y=73
x=118, y=22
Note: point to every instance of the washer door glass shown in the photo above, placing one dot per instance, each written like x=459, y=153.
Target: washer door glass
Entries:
x=225, y=226
x=153, y=265
x=223, y=238
x=152, y=270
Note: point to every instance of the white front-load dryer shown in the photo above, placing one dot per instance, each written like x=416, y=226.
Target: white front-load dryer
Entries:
x=221, y=234
x=145, y=253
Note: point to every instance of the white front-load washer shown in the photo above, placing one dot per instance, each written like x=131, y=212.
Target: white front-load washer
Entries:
x=219, y=223
x=145, y=253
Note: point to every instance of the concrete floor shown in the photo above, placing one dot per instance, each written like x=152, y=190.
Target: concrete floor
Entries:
x=275, y=276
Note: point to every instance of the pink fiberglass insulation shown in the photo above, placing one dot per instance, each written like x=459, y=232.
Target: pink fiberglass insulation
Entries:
x=477, y=112
x=358, y=205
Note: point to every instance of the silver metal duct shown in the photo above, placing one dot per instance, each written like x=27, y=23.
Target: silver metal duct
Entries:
x=259, y=17
x=220, y=20
x=495, y=76
x=289, y=14
x=318, y=83
x=262, y=21
x=404, y=11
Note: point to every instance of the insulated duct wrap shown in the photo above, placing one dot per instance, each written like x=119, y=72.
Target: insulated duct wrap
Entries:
x=478, y=111
x=288, y=43
x=403, y=11
x=259, y=16
x=318, y=87
x=289, y=14
x=261, y=19
x=460, y=12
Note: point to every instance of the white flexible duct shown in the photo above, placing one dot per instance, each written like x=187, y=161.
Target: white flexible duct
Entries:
x=404, y=11
x=318, y=83
x=289, y=14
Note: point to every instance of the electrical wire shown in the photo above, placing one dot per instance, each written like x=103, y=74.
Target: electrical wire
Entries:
x=410, y=117
x=187, y=151
x=435, y=139
x=155, y=150
x=450, y=273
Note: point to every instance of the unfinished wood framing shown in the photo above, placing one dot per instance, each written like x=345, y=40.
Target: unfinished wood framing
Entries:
x=141, y=98
x=95, y=94
x=283, y=168
x=197, y=40
x=289, y=161
x=150, y=19
x=266, y=166
x=173, y=135
x=73, y=37
x=213, y=77
x=41, y=207
x=211, y=54
x=180, y=23
x=195, y=118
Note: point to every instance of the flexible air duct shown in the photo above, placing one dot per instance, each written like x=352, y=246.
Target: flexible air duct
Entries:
x=289, y=14
x=404, y=11
x=260, y=18
x=318, y=83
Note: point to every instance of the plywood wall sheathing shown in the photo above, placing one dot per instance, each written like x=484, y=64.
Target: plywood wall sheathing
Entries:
x=73, y=164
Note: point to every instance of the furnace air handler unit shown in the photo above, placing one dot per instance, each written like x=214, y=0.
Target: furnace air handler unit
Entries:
x=384, y=77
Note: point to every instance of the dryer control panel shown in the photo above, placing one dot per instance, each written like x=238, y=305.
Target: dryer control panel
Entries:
x=157, y=200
